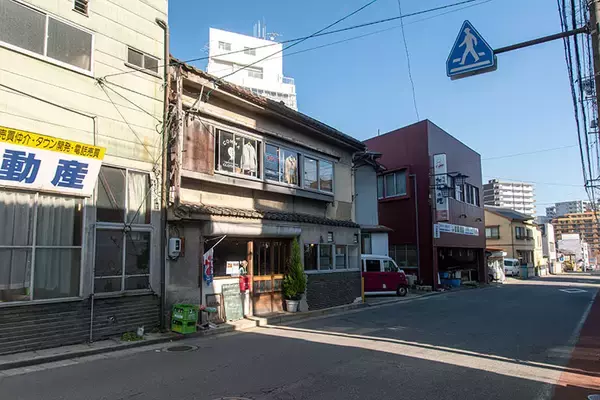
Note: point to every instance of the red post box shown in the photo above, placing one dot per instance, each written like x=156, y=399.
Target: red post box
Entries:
x=244, y=283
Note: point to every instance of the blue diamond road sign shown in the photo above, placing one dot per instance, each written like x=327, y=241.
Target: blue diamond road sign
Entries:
x=470, y=55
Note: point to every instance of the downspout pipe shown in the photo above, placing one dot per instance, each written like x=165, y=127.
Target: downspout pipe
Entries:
x=164, y=177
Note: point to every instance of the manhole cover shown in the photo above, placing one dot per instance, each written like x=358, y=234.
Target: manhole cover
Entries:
x=181, y=348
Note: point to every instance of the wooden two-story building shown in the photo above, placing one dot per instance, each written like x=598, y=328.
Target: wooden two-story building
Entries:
x=248, y=175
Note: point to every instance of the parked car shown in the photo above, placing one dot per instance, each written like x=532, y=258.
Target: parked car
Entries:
x=511, y=267
x=383, y=276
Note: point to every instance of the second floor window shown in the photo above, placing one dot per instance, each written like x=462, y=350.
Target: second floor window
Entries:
x=492, y=232
x=520, y=232
x=249, y=51
x=36, y=32
x=236, y=154
x=225, y=46
x=281, y=165
x=142, y=60
x=255, y=72
x=392, y=185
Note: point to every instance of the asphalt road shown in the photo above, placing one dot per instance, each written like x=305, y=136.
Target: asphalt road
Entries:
x=507, y=342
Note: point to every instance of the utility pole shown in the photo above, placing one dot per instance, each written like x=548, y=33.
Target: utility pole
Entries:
x=594, y=8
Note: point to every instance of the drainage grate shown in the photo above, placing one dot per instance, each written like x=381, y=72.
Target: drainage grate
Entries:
x=181, y=348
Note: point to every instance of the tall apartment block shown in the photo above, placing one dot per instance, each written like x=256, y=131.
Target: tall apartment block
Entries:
x=584, y=224
x=568, y=207
x=517, y=196
x=229, y=52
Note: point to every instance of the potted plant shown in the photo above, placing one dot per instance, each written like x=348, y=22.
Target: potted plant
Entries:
x=294, y=282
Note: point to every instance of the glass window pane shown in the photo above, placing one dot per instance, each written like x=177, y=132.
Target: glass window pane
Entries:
x=107, y=285
x=135, y=57
x=248, y=156
x=272, y=162
x=401, y=183
x=411, y=256
x=353, y=257
x=139, y=198
x=310, y=257
x=310, y=173
x=380, y=187
x=226, y=151
x=137, y=282
x=390, y=185
x=366, y=243
x=111, y=195
x=15, y=274
x=325, y=257
x=137, y=253
x=22, y=27
x=289, y=165
x=109, y=253
x=16, y=218
x=340, y=257
x=151, y=63
x=373, y=266
x=69, y=44
x=57, y=273
x=326, y=176
x=59, y=221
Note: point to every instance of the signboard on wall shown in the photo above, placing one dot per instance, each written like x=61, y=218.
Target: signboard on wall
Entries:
x=440, y=177
x=45, y=163
x=458, y=229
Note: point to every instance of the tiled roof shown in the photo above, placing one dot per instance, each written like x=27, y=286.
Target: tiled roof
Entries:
x=279, y=108
x=184, y=210
x=510, y=214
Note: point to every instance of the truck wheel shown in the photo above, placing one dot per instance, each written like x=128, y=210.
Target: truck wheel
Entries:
x=402, y=291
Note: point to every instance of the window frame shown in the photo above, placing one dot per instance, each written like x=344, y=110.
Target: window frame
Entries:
x=255, y=72
x=395, y=178
x=281, y=161
x=260, y=151
x=491, y=228
x=44, y=57
x=334, y=268
x=119, y=226
x=318, y=160
x=33, y=247
x=143, y=68
x=224, y=45
x=251, y=51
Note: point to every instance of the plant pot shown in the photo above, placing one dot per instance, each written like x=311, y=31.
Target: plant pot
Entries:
x=291, y=305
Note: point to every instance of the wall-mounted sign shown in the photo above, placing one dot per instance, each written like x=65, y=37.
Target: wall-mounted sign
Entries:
x=232, y=268
x=39, y=162
x=440, y=178
x=458, y=229
x=436, y=231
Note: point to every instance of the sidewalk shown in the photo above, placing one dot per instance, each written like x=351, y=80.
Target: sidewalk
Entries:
x=585, y=359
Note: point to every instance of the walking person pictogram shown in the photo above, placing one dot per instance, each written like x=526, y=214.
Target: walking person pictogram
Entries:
x=469, y=42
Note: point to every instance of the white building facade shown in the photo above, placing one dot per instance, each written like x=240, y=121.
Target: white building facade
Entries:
x=568, y=207
x=264, y=78
x=517, y=196
x=82, y=105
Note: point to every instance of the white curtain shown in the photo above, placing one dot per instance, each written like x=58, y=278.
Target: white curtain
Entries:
x=16, y=219
x=57, y=270
x=138, y=198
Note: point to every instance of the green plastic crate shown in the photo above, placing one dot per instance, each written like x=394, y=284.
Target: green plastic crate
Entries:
x=183, y=327
x=185, y=313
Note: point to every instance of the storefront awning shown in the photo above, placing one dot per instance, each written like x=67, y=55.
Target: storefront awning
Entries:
x=186, y=211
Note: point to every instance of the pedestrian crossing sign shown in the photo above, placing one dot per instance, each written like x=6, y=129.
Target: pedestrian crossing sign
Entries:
x=470, y=55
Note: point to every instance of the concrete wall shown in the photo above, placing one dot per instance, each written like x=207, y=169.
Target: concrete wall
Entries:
x=330, y=290
x=380, y=244
x=42, y=325
x=366, y=196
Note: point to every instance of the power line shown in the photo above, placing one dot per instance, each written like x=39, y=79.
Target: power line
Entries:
x=301, y=40
x=534, y=182
x=412, y=82
x=529, y=152
x=101, y=82
x=370, y=33
x=426, y=11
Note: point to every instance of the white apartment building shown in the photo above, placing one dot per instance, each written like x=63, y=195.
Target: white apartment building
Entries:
x=265, y=78
x=517, y=196
x=568, y=207
x=81, y=110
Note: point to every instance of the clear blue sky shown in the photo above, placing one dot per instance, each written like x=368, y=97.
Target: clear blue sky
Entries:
x=362, y=85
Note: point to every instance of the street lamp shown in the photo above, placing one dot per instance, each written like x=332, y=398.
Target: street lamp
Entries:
x=460, y=179
x=445, y=190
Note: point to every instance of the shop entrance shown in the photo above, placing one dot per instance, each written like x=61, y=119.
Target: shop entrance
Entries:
x=269, y=261
x=457, y=265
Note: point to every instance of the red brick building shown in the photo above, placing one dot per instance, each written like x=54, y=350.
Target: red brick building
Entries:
x=433, y=232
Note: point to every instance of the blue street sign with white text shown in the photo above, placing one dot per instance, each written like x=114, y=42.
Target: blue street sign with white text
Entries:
x=470, y=55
